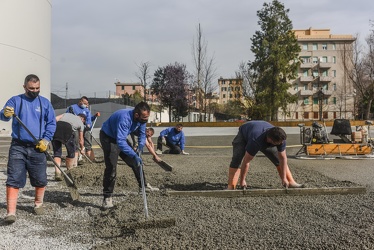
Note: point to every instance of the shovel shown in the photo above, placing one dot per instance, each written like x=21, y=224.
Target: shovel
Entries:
x=69, y=182
x=93, y=124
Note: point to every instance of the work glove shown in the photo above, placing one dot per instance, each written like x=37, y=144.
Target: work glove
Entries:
x=185, y=153
x=97, y=114
x=42, y=145
x=139, y=149
x=8, y=111
x=138, y=161
x=164, y=141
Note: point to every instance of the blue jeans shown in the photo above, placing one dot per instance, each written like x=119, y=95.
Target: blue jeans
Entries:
x=23, y=159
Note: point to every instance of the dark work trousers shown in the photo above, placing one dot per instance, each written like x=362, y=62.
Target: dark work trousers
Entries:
x=174, y=149
x=111, y=153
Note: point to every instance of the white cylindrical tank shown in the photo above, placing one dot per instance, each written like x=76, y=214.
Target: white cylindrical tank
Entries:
x=25, y=48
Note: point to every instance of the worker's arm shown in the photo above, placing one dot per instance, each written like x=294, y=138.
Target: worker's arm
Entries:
x=244, y=168
x=151, y=148
x=283, y=166
x=81, y=142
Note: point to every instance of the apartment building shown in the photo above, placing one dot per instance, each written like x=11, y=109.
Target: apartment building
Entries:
x=322, y=86
x=230, y=89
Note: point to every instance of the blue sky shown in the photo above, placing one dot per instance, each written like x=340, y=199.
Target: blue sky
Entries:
x=96, y=42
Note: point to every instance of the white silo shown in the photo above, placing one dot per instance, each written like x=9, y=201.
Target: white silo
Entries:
x=25, y=47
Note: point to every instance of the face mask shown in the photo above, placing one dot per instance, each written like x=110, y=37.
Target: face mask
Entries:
x=83, y=106
x=142, y=121
x=33, y=94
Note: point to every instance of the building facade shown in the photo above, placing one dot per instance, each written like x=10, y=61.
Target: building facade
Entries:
x=322, y=86
x=230, y=89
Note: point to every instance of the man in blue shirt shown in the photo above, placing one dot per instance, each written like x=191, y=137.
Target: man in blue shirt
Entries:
x=113, y=138
x=173, y=138
x=82, y=108
x=27, y=156
x=261, y=136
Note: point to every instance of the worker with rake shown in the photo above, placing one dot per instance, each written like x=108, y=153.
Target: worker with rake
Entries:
x=261, y=136
x=26, y=155
x=113, y=138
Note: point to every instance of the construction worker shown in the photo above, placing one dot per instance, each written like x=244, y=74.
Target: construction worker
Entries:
x=68, y=126
x=149, y=132
x=113, y=138
x=82, y=108
x=26, y=156
x=173, y=138
x=261, y=136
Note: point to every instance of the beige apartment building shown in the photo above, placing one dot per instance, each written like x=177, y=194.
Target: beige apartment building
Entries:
x=322, y=86
x=230, y=89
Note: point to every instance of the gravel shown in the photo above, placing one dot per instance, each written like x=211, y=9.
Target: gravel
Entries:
x=268, y=222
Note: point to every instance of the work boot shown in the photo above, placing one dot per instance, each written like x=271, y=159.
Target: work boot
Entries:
x=58, y=177
x=39, y=210
x=10, y=218
x=167, y=151
x=296, y=185
x=159, y=152
x=149, y=188
x=107, y=203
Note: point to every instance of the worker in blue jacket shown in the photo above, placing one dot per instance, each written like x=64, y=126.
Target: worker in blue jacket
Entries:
x=173, y=138
x=113, y=138
x=26, y=155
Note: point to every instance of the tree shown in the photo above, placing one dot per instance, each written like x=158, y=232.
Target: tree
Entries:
x=209, y=74
x=204, y=70
x=143, y=75
x=248, y=87
x=276, y=60
x=169, y=84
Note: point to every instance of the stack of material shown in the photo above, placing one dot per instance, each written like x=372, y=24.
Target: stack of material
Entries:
x=356, y=136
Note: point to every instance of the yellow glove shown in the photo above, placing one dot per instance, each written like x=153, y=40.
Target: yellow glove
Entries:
x=42, y=145
x=8, y=111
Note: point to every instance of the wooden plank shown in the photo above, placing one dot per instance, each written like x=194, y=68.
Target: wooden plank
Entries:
x=165, y=166
x=271, y=192
x=333, y=148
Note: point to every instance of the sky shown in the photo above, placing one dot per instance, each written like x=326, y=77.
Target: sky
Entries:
x=97, y=43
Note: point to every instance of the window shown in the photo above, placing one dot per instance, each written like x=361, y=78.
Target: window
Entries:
x=315, y=73
x=133, y=87
x=325, y=73
x=324, y=59
x=315, y=100
x=223, y=96
x=230, y=95
x=237, y=88
x=333, y=46
x=334, y=100
x=334, y=73
x=326, y=101
x=296, y=115
x=305, y=46
x=122, y=87
x=334, y=114
x=306, y=87
x=306, y=100
x=223, y=82
x=334, y=59
x=306, y=59
x=223, y=89
x=315, y=59
x=325, y=115
x=325, y=86
x=306, y=115
x=334, y=86
x=324, y=46
x=315, y=115
x=305, y=73
x=315, y=46
x=315, y=86
x=229, y=88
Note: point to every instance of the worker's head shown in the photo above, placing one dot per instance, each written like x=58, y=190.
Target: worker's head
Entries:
x=178, y=128
x=83, y=117
x=141, y=112
x=83, y=102
x=276, y=136
x=32, y=86
x=149, y=132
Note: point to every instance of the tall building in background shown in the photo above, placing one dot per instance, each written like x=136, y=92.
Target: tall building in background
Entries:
x=230, y=89
x=25, y=47
x=322, y=86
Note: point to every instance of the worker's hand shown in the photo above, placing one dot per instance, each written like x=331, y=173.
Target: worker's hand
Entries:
x=164, y=141
x=138, y=161
x=285, y=183
x=140, y=148
x=185, y=153
x=157, y=159
x=8, y=111
x=42, y=145
x=97, y=114
x=83, y=150
x=243, y=184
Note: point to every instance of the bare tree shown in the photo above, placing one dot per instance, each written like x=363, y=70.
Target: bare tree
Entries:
x=143, y=75
x=199, y=51
x=209, y=75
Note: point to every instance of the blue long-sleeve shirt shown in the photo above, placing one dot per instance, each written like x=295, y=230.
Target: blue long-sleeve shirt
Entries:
x=37, y=114
x=119, y=125
x=173, y=137
x=78, y=110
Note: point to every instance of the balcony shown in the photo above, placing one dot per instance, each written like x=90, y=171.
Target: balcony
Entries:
x=306, y=65
x=306, y=78
x=306, y=92
x=325, y=78
x=324, y=65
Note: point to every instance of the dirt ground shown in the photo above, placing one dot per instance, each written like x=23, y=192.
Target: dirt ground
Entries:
x=273, y=222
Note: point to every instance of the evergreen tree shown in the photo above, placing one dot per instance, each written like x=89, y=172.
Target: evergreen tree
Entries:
x=276, y=61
